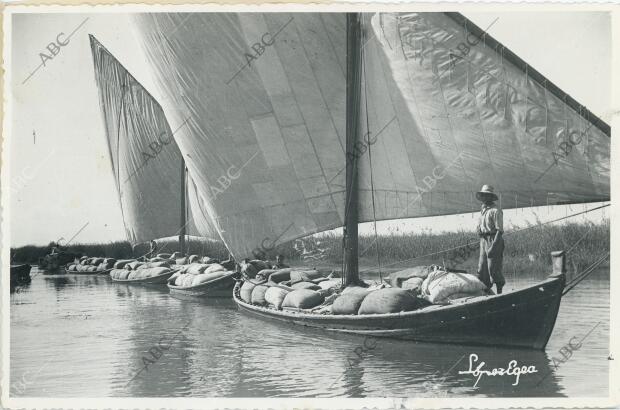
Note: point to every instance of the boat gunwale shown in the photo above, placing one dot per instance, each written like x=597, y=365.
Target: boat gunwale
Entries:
x=419, y=312
x=73, y=272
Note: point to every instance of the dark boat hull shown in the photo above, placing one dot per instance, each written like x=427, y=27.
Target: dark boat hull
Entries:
x=219, y=288
x=20, y=274
x=524, y=318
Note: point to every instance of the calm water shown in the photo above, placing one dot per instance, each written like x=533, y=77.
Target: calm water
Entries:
x=80, y=336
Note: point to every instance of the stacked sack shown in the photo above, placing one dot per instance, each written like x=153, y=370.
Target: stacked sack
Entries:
x=363, y=301
x=87, y=264
x=196, y=274
x=284, y=288
x=441, y=287
x=140, y=272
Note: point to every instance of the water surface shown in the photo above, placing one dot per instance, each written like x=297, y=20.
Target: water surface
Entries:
x=85, y=336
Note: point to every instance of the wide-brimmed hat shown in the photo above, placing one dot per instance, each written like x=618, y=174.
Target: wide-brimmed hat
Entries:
x=485, y=193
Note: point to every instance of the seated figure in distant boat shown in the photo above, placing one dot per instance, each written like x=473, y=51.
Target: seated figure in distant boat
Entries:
x=279, y=264
x=490, y=230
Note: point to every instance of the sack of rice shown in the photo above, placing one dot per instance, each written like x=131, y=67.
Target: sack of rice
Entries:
x=330, y=284
x=397, y=278
x=163, y=255
x=83, y=258
x=413, y=285
x=208, y=260
x=101, y=267
x=265, y=273
x=152, y=272
x=133, y=275
x=71, y=267
x=248, y=269
x=193, y=259
x=246, y=291
x=181, y=261
x=305, y=275
x=120, y=264
x=133, y=265
x=305, y=285
x=259, y=264
x=96, y=261
x=109, y=263
x=208, y=277
x=162, y=264
x=258, y=295
x=84, y=262
x=194, y=268
x=388, y=300
x=123, y=273
x=302, y=299
x=348, y=304
x=439, y=286
x=354, y=289
x=281, y=275
x=275, y=296
x=215, y=267
x=92, y=269
x=173, y=278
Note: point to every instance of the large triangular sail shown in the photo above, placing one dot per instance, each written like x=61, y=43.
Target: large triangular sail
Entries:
x=146, y=160
x=265, y=94
x=450, y=109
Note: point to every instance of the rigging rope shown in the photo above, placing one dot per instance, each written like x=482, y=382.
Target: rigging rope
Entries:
x=372, y=186
x=509, y=233
x=587, y=272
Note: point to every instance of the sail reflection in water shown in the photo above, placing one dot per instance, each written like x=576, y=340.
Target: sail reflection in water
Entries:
x=224, y=353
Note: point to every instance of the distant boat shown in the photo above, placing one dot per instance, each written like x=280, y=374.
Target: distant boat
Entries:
x=218, y=288
x=397, y=127
x=155, y=280
x=20, y=275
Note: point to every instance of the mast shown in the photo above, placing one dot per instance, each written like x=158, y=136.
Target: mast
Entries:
x=353, y=91
x=183, y=194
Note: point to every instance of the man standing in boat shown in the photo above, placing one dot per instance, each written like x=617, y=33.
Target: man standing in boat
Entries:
x=490, y=230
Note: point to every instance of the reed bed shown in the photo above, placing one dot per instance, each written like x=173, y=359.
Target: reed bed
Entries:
x=528, y=248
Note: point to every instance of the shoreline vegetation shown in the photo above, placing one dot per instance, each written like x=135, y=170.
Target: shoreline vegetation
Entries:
x=527, y=249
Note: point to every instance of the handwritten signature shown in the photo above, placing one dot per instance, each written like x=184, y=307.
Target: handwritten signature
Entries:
x=512, y=370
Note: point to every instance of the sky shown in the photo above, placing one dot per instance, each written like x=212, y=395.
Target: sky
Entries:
x=61, y=179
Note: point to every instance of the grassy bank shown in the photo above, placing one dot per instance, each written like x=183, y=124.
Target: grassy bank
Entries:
x=529, y=248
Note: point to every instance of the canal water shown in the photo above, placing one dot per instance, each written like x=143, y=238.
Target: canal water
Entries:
x=85, y=336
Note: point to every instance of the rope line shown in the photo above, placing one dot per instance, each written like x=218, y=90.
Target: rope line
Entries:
x=574, y=282
x=372, y=185
x=507, y=234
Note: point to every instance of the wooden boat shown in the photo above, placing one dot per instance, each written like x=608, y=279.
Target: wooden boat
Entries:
x=74, y=272
x=522, y=318
x=155, y=280
x=20, y=275
x=218, y=288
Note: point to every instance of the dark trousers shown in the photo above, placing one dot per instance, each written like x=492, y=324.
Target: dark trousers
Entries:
x=490, y=265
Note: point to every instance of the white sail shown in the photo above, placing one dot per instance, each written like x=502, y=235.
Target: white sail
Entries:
x=464, y=111
x=265, y=98
x=145, y=159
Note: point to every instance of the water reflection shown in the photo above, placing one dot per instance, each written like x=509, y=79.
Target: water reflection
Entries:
x=100, y=332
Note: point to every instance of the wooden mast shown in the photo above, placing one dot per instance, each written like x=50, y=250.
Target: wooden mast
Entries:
x=353, y=92
x=183, y=216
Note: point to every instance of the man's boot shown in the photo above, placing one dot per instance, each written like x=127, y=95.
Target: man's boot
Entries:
x=499, y=288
